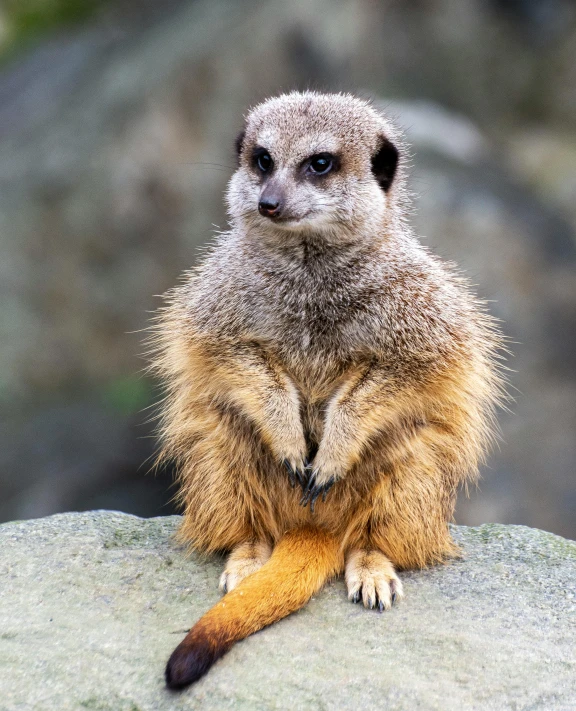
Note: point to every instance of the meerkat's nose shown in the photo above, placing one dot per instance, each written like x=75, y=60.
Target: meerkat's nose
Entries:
x=269, y=207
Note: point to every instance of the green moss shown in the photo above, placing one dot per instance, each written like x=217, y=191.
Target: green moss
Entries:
x=128, y=395
x=25, y=20
x=128, y=538
x=542, y=543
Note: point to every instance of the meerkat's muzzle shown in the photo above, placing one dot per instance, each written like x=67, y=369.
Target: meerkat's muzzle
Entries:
x=271, y=202
x=269, y=208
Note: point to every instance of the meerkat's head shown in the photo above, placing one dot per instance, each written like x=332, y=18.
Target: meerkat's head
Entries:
x=328, y=164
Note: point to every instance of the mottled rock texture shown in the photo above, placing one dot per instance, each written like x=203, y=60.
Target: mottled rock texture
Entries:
x=92, y=604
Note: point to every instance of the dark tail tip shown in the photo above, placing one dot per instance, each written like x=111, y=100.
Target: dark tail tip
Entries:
x=191, y=660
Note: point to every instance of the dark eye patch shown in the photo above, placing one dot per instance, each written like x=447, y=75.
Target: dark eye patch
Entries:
x=262, y=160
x=321, y=164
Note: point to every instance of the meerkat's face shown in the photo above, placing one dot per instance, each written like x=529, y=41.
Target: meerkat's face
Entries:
x=322, y=163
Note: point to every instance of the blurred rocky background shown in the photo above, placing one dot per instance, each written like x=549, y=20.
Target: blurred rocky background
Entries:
x=117, y=121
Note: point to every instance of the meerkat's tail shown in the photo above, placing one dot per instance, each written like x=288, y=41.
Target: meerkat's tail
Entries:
x=301, y=563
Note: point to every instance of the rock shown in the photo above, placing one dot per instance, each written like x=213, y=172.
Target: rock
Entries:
x=92, y=604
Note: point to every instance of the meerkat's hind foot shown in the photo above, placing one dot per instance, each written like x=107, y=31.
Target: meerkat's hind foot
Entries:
x=371, y=577
x=244, y=560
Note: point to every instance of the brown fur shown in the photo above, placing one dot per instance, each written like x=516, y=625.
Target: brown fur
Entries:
x=333, y=335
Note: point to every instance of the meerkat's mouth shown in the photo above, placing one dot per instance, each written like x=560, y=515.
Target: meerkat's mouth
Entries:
x=311, y=218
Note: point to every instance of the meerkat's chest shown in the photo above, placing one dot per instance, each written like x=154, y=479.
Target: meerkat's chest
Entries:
x=316, y=336
x=308, y=325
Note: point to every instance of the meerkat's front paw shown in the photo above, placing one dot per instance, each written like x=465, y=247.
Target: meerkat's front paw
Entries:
x=297, y=473
x=244, y=560
x=325, y=471
x=317, y=484
x=291, y=452
x=371, y=576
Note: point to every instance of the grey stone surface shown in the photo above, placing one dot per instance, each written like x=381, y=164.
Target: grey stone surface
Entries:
x=92, y=604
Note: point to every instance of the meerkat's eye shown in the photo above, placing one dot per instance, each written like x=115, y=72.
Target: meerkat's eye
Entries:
x=263, y=160
x=321, y=164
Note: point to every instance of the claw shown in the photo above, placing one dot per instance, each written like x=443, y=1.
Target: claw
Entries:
x=315, y=495
x=356, y=597
x=302, y=479
x=393, y=597
x=296, y=475
x=313, y=491
x=381, y=606
x=327, y=486
x=308, y=490
x=292, y=473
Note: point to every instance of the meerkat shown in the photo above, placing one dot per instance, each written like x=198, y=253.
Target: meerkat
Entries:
x=329, y=382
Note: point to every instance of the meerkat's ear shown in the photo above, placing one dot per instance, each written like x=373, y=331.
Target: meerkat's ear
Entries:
x=239, y=144
x=384, y=164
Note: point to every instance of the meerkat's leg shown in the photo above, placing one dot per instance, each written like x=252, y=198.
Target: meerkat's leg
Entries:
x=371, y=577
x=245, y=559
x=248, y=377
x=412, y=504
x=369, y=401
